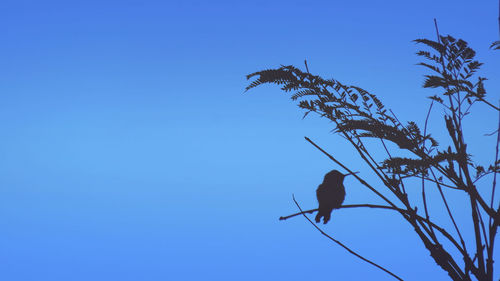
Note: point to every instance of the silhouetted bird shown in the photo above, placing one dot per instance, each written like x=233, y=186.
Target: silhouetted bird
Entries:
x=330, y=194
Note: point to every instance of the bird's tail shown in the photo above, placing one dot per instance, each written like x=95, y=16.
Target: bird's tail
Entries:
x=326, y=217
x=318, y=217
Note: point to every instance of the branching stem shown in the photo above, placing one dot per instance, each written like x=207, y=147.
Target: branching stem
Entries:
x=344, y=246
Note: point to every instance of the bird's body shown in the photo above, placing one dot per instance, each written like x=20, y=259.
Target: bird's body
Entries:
x=330, y=195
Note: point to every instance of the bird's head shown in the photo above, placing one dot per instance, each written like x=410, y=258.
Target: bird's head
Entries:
x=336, y=176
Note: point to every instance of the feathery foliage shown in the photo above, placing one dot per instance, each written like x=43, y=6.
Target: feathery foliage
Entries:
x=358, y=115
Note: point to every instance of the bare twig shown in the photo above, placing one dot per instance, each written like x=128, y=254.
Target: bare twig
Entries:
x=458, y=142
x=442, y=184
x=449, y=211
x=482, y=176
x=492, y=133
x=299, y=213
x=426, y=121
x=399, y=175
x=437, y=30
x=488, y=103
x=493, y=226
x=424, y=197
x=482, y=227
x=344, y=246
x=495, y=163
x=412, y=213
x=347, y=169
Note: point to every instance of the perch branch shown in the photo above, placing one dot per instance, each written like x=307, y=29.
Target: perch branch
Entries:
x=440, y=229
x=347, y=169
x=394, y=207
x=343, y=246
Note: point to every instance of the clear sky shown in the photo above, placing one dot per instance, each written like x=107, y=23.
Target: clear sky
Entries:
x=130, y=152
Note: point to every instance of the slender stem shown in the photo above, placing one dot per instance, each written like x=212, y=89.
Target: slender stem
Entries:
x=437, y=30
x=483, y=229
x=307, y=68
x=299, y=213
x=374, y=165
x=424, y=198
x=347, y=169
x=399, y=175
x=493, y=227
x=460, y=148
x=481, y=176
x=407, y=213
x=488, y=103
x=495, y=164
x=440, y=229
x=344, y=246
x=427, y=120
x=442, y=184
x=449, y=212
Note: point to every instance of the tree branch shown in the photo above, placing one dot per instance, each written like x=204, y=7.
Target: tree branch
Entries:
x=424, y=197
x=347, y=169
x=493, y=227
x=343, y=246
x=449, y=211
x=299, y=213
x=440, y=229
x=411, y=213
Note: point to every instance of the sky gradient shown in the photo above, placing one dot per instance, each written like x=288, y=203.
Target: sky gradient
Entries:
x=129, y=150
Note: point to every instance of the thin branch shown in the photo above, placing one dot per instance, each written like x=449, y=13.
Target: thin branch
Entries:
x=492, y=133
x=437, y=30
x=307, y=68
x=493, y=227
x=424, y=197
x=458, y=141
x=477, y=233
x=495, y=163
x=427, y=120
x=491, y=212
x=442, y=184
x=426, y=211
x=394, y=207
x=361, y=150
x=440, y=229
x=488, y=103
x=449, y=211
x=375, y=166
x=482, y=227
x=347, y=169
x=399, y=175
x=299, y=213
x=394, y=115
x=483, y=175
x=366, y=156
x=345, y=247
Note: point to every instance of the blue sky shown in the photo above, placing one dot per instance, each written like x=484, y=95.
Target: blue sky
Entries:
x=130, y=152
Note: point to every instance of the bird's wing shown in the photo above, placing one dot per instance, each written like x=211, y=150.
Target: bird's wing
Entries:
x=323, y=194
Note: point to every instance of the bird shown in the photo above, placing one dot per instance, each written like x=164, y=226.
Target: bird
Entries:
x=330, y=194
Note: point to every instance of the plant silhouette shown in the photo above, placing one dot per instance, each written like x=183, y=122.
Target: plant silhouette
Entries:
x=359, y=115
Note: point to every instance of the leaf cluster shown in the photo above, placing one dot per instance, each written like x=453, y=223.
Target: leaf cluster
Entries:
x=355, y=112
x=453, y=63
x=358, y=114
